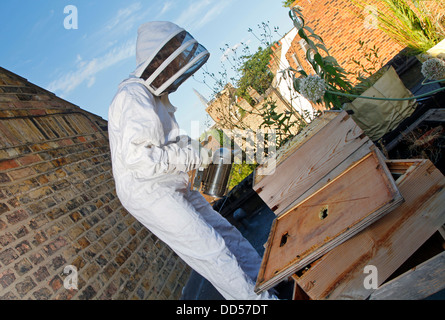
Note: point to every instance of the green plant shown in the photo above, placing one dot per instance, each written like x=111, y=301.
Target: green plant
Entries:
x=239, y=172
x=330, y=81
x=324, y=65
x=285, y=125
x=288, y=3
x=367, y=75
x=408, y=22
x=254, y=73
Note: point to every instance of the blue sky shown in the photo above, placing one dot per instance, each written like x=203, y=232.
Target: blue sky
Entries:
x=85, y=65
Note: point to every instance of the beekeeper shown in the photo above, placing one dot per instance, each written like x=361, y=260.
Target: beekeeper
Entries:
x=151, y=159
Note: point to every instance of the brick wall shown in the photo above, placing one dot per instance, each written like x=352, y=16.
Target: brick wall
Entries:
x=58, y=207
x=338, y=24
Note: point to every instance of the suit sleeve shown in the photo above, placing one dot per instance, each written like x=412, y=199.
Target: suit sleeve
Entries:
x=141, y=131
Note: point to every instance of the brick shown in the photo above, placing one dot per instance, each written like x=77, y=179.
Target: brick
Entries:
x=7, y=277
x=23, y=247
x=83, y=242
x=3, y=225
x=37, y=112
x=41, y=274
x=4, y=178
x=88, y=293
x=8, y=164
x=35, y=194
x=25, y=286
x=21, y=232
x=9, y=296
x=16, y=216
x=123, y=256
x=109, y=292
x=109, y=271
x=3, y=208
x=55, y=245
x=8, y=255
x=21, y=173
x=23, y=266
x=42, y=294
x=56, y=283
x=27, y=160
x=38, y=222
x=58, y=262
x=6, y=239
x=36, y=207
x=79, y=262
x=22, y=187
x=14, y=202
x=43, y=167
x=40, y=237
x=60, y=184
x=56, y=213
x=59, y=162
x=101, y=261
x=36, y=258
x=54, y=229
x=91, y=270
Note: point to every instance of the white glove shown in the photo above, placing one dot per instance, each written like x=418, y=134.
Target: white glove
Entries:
x=205, y=155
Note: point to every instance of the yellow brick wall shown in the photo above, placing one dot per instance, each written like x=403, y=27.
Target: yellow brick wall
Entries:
x=58, y=207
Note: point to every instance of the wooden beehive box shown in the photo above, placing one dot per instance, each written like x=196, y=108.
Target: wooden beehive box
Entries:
x=325, y=149
x=327, y=188
x=387, y=243
x=350, y=202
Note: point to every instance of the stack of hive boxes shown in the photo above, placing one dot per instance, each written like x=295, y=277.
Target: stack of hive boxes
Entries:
x=342, y=206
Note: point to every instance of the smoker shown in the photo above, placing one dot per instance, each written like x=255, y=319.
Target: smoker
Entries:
x=215, y=177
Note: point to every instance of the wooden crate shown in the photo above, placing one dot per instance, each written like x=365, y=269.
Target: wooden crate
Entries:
x=314, y=157
x=387, y=243
x=348, y=203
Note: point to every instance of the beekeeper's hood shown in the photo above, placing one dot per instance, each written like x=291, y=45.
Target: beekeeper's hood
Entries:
x=166, y=56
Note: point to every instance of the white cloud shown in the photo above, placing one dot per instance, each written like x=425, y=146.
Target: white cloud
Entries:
x=111, y=40
x=232, y=49
x=125, y=18
x=167, y=6
x=91, y=82
x=199, y=13
x=211, y=14
x=111, y=45
x=87, y=70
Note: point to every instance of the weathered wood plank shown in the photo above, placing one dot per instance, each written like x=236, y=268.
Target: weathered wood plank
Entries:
x=400, y=166
x=418, y=283
x=346, y=205
x=312, y=161
x=387, y=243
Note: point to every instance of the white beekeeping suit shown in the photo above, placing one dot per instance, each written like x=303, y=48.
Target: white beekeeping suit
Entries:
x=150, y=164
